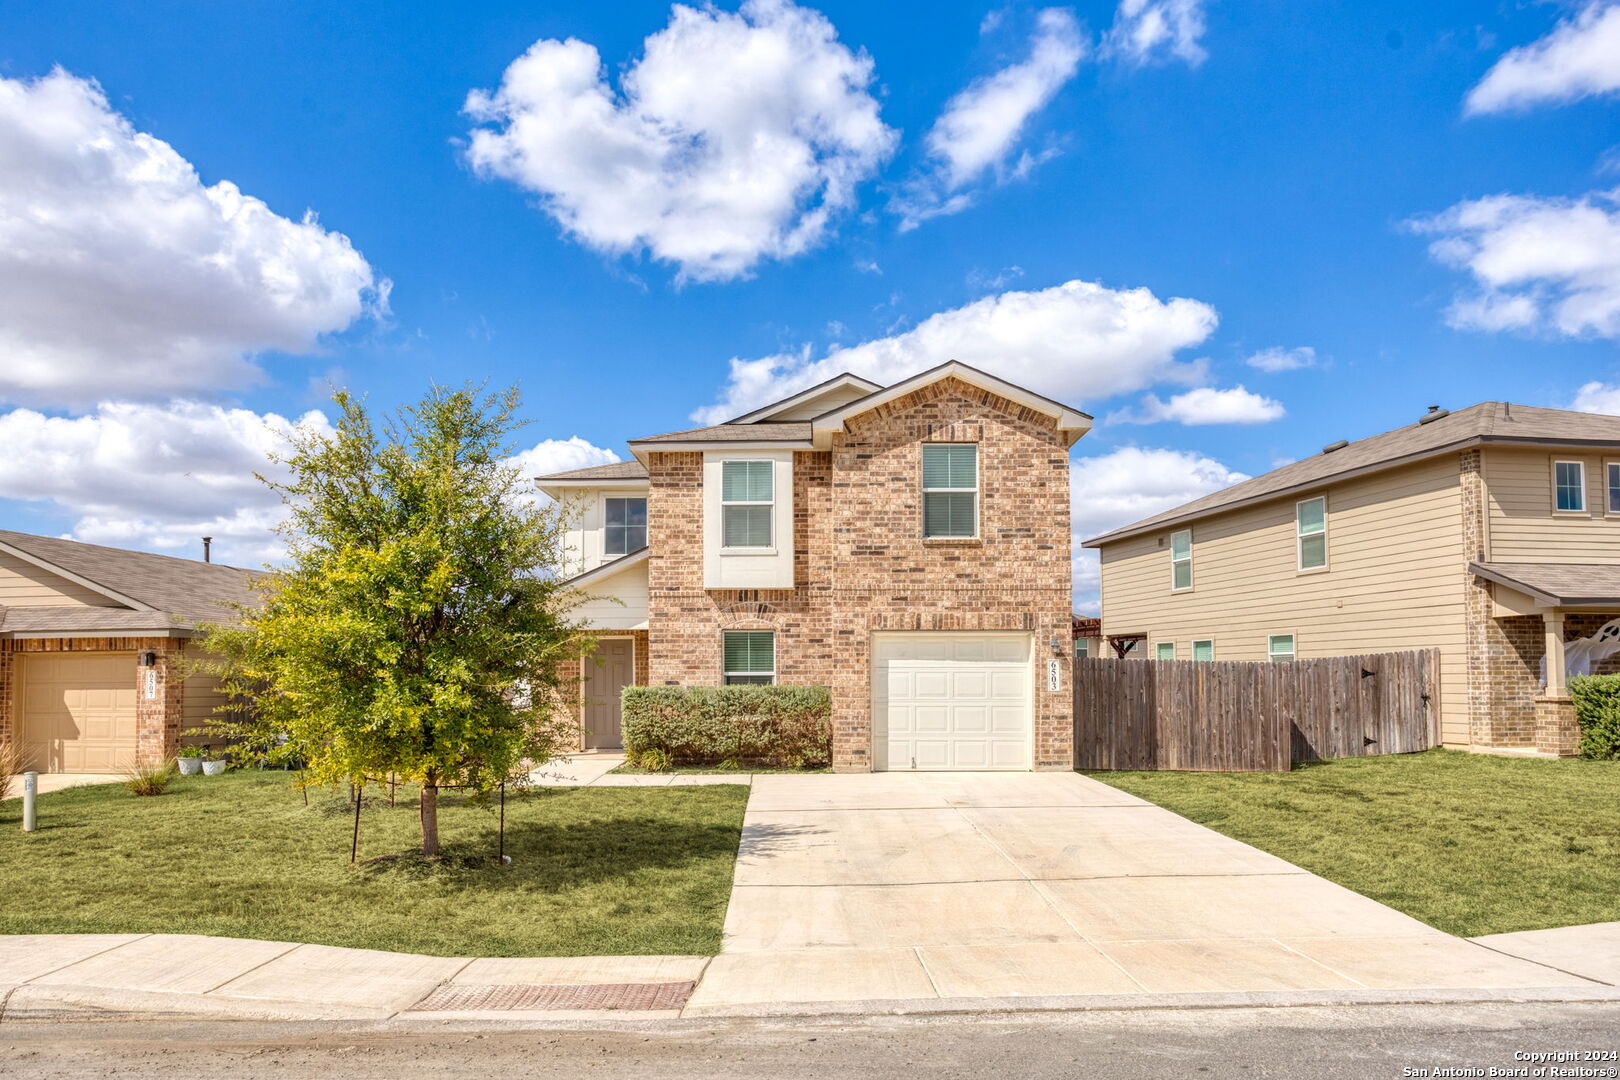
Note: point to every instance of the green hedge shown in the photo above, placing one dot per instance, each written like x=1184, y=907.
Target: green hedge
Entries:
x=1597, y=710
x=775, y=726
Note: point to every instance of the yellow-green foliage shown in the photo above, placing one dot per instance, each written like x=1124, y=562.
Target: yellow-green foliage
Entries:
x=1597, y=710
x=684, y=725
x=418, y=623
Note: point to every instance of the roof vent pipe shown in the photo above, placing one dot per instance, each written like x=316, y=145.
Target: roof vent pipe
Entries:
x=1435, y=413
x=1332, y=446
x=208, y=549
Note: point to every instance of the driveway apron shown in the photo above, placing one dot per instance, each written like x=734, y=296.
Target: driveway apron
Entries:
x=886, y=886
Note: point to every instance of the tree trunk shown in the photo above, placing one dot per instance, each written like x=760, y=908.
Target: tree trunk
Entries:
x=430, y=817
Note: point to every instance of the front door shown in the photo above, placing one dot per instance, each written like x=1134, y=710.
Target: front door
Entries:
x=608, y=670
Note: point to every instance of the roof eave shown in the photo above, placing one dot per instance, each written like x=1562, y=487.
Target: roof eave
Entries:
x=77, y=579
x=608, y=569
x=844, y=379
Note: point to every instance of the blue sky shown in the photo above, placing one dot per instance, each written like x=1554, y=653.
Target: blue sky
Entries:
x=1120, y=204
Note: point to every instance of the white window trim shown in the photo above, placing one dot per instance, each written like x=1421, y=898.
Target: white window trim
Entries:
x=1158, y=644
x=724, y=674
x=1299, y=538
x=978, y=503
x=1584, y=509
x=1609, y=463
x=1175, y=561
x=602, y=510
x=1203, y=641
x=1293, y=640
x=767, y=549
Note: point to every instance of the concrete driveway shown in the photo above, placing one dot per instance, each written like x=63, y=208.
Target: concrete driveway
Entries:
x=954, y=885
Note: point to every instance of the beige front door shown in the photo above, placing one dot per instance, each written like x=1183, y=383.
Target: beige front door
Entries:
x=78, y=711
x=608, y=670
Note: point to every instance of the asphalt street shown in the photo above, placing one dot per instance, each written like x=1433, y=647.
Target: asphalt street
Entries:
x=1342, y=1041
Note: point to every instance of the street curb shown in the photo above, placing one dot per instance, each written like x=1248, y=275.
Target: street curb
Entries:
x=34, y=1003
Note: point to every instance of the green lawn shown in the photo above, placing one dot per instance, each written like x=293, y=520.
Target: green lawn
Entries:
x=1470, y=843
x=710, y=770
x=595, y=870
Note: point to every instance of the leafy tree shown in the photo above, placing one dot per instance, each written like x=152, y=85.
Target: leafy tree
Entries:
x=419, y=622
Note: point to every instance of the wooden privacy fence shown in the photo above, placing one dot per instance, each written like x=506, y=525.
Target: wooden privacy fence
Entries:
x=1231, y=716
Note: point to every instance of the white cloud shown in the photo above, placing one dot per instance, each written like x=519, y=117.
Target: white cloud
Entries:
x=1597, y=397
x=1579, y=58
x=1540, y=264
x=734, y=138
x=1279, y=359
x=158, y=477
x=1074, y=342
x=979, y=127
x=121, y=273
x=1126, y=485
x=1204, y=405
x=1149, y=30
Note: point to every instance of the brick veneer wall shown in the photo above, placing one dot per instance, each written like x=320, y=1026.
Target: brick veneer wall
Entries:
x=862, y=566
x=157, y=720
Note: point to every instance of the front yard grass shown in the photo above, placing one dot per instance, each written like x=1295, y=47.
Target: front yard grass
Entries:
x=1469, y=843
x=596, y=871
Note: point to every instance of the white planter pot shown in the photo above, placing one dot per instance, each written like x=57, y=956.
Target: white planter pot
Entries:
x=190, y=766
x=213, y=768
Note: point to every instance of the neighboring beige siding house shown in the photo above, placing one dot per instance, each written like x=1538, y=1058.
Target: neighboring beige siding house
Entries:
x=1462, y=532
x=907, y=546
x=91, y=640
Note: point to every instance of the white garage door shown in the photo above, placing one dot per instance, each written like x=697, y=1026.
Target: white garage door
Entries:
x=951, y=701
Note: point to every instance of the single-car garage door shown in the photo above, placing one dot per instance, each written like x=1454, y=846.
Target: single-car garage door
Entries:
x=951, y=701
x=78, y=711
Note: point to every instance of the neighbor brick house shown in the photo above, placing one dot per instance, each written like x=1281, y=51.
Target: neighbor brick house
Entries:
x=92, y=643
x=907, y=546
x=1491, y=533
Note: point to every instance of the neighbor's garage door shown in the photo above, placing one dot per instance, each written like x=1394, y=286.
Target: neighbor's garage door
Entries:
x=951, y=701
x=78, y=711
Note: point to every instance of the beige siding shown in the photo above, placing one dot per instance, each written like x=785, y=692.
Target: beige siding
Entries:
x=1523, y=526
x=22, y=584
x=617, y=602
x=821, y=403
x=1395, y=579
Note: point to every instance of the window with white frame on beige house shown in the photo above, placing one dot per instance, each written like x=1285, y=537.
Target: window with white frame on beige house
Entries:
x=1569, y=487
x=1280, y=647
x=747, y=503
x=1181, y=571
x=1203, y=649
x=624, y=525
x=749, y=656
x=1164, y=650
x=1310, y=533
x=950, y=487
x=1611, y=471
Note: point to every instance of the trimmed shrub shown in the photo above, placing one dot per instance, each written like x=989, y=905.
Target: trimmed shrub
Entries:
x=1597, y=710
x=774, y=726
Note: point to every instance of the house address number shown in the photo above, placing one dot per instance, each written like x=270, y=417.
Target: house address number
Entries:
x=1054, y=675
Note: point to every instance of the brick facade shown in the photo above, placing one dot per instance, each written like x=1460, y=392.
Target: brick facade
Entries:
x=158, y=718
x=861, y=565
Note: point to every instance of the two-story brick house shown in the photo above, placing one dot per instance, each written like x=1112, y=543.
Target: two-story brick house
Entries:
x=1491, y=533
x=907, y=546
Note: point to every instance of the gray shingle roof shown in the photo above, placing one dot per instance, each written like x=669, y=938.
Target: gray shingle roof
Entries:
x=184, y=590
x=1563, y=583
x=1487, y=422
x=795, y=431
x=617, y=470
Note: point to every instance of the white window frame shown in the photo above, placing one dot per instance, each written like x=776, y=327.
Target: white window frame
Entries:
x=726, y=676
x=1160, y=646
x=1610, y=488
x=1299, y=537
x=1175, y=562
x=1273, y=656
x=922, y=480
x=1082, y=648
x=606, y=499
x=1203, y=641
x=1581, y=472
x=770, y=504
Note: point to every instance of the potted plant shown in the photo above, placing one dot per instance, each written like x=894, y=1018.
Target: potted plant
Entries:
x=191, y=760
x=212, y=766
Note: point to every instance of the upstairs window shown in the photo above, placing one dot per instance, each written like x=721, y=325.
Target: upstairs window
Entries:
x=1280, y=647
x=1164, y=650
x=626, y=528
x=950, y=480
x=747, y=503
x=1204, y=650
x=1614, y=488
x=1181, y=560
x=750, y=657
x=1569, y=485
x=1310, y=523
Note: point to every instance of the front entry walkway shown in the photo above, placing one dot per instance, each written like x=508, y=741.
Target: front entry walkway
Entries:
x=890, y=886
